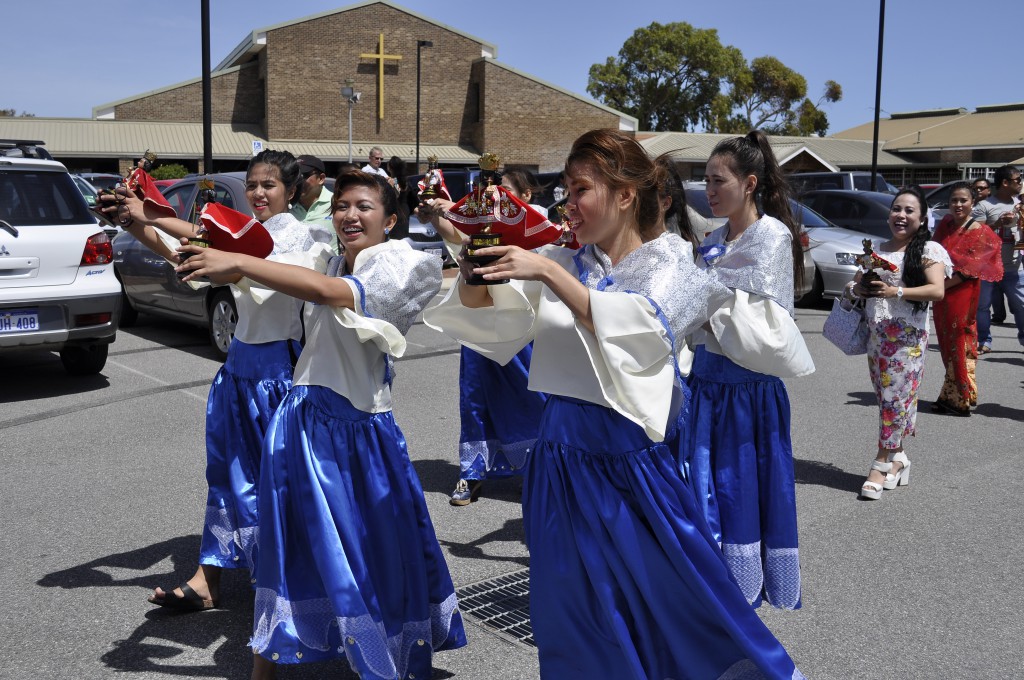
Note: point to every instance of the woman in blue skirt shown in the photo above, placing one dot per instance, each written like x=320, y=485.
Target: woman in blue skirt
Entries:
x=494, y=441
x=626, y=580
x=742, y=454
x=248, y=388
x=349, y=566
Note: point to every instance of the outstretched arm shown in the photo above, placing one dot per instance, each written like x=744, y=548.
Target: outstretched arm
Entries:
x=124, y=205
x=516, y=263
x=299, y=282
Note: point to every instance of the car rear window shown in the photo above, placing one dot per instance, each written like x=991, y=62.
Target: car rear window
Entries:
x=30, y=198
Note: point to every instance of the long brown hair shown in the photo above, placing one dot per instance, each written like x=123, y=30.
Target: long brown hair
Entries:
x=622, y=162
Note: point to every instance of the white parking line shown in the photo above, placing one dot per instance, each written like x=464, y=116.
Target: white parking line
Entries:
x=187, y=391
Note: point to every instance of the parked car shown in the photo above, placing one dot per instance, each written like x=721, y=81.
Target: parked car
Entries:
x=863, y=211
x=89, y=192
x=835, y=251
x=853, y=180
x=162, y=184
x=938, y=199
x=58, y=290
x=101, y=180
x=150, y=283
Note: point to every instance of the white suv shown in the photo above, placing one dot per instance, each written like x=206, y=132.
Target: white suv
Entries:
x=58, y=291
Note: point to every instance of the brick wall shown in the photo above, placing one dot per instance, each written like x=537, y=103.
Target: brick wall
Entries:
x=528, y=122
x=236, y=97
x=307, y=64
x=293, y=90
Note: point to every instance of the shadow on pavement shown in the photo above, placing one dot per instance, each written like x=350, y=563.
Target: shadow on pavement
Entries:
x=33, y=375
x=862, y=399
x=1000, y=411
x=181, y=550
x=169, y=642
x=826, y=474
x=512, y=530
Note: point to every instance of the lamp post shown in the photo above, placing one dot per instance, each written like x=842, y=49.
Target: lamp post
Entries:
x=352, y=97
x=420, y=44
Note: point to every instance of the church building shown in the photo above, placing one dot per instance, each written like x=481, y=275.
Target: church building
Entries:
x=281, y=87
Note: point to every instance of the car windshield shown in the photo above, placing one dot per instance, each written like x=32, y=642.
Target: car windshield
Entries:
x=41, y=198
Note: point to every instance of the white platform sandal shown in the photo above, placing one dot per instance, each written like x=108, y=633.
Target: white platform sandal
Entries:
x=873, y=490
x=902, y=477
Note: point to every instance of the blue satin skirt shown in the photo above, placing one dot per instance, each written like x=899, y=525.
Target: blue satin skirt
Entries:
x=741, y=465
x=244, y=395
x=349, y=565
x=499, y=415
x=626, y=580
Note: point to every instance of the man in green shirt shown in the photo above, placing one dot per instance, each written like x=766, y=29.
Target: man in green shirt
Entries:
x=314, y=199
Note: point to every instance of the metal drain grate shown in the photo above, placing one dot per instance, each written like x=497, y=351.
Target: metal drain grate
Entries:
x=502, y=603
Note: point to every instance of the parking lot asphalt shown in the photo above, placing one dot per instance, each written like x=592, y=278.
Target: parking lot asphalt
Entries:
x=102, y=495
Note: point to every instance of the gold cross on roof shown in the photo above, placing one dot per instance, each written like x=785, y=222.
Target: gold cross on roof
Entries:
x=380, y=57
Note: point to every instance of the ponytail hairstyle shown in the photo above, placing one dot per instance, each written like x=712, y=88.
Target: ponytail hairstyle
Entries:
x=621, y=162
x=287, y=167
x=752, y=155
x=913, y=256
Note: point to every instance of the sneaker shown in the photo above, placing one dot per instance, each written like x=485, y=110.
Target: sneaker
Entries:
x=466, y=491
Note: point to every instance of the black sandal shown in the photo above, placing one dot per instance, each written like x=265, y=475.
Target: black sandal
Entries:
x=189, y=602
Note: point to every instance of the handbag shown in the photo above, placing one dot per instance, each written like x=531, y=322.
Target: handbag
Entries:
x=846, y=327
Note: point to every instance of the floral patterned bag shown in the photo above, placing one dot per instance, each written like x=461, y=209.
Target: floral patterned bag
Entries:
x=846, y=327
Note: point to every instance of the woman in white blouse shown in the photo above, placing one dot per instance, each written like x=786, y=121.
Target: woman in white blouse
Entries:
x=349, y=566
x=626, y=580
x=742, y=453
x=247, y=389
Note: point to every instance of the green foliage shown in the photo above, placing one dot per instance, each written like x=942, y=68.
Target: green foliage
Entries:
x=677, y=77
x=169, y=171
x=667, y=75
x=13, y=113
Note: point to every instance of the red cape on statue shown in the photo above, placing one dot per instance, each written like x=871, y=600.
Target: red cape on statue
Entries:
x=145, y=188
x=235, y=232
x=519, y=224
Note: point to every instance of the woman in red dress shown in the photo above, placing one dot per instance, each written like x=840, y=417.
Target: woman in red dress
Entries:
x=974, y=249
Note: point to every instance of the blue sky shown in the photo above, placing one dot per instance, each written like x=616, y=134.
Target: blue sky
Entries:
x=62, y=57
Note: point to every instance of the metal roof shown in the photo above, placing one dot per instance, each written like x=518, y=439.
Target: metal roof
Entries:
x=841, y=153
x=988, y=127
x=88, y=138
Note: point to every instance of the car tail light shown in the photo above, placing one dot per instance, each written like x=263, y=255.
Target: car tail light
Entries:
x=805, y=240
x=97, y=250
x=92, y=319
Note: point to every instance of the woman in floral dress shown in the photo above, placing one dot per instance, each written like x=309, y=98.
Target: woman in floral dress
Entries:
x=897, y=315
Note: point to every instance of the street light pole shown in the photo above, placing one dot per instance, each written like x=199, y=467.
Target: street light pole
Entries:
x=420, y=44
x=352, y=97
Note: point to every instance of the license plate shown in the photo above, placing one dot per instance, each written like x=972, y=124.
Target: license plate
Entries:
x=19, y=320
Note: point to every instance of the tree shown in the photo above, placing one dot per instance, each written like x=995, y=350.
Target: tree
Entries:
x=169, y=171
x=770, y=96
x=12, y=113
x=667, y=75
x=677, y=77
